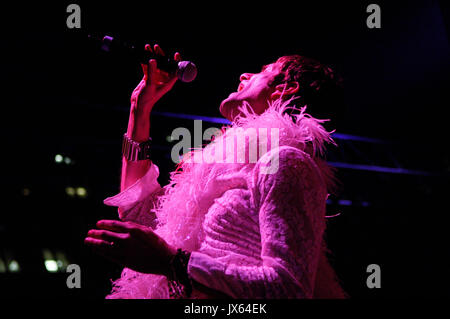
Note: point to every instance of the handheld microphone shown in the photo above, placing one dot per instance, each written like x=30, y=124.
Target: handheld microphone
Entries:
x=186, y=71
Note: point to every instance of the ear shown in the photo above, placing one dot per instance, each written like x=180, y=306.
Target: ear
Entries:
x=285, y=90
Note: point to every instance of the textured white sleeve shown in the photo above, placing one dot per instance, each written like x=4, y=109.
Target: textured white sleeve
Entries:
x=135, y=202
x=291, y=205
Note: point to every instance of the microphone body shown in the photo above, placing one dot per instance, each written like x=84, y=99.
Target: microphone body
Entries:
x=186, y=71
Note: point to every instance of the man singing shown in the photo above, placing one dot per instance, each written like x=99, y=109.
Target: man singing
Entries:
x=229, y=228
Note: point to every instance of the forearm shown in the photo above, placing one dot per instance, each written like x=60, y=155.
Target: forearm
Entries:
x=271, y=280
x=177, y=271
x=138, y=130
x=153, y=86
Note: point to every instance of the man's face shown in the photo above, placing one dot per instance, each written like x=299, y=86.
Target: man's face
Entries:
x=253, y=88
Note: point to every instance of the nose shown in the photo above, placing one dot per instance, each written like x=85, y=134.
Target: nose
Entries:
x=245, y=76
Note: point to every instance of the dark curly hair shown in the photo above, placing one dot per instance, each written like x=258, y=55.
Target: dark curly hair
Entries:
x=320, y=88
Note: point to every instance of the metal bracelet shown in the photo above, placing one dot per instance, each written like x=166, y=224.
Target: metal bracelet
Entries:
x=134, y=151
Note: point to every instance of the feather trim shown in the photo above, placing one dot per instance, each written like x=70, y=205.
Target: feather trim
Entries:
x=193, y=187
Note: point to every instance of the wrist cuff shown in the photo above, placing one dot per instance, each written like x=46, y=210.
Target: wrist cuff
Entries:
x=134, y=151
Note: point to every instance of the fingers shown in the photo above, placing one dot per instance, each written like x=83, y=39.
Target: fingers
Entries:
x=104, y=248
x=149, y=69
x=97, y=243
x=152, y=68
x=115, y=226
x=106, y=235
x=160, y=81
x=145, y=67
x=145, y=70
x=177, y=56
x=157, y=49
x=148, y=47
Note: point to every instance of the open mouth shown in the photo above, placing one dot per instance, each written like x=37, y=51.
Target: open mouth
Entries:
x=240, y=87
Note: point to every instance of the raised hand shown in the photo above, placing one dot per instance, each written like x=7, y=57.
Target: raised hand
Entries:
x=155, y=82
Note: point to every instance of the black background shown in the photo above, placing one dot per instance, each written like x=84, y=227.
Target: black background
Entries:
x=60, y=95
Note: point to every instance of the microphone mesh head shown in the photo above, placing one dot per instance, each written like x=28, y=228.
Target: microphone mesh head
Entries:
x=187, y=71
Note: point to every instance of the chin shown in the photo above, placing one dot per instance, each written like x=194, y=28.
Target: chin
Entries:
x=229, y=106
x=225, y=108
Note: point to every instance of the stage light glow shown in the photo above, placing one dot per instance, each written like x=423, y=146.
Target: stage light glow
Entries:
x=2, y=266
x=13, y=266
x=81, y=191
x=51, y=265
x=70, y=191
x=59, y=158
x=26, y=191
x=345, y=202
x=67, y=160
x=61, y=260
